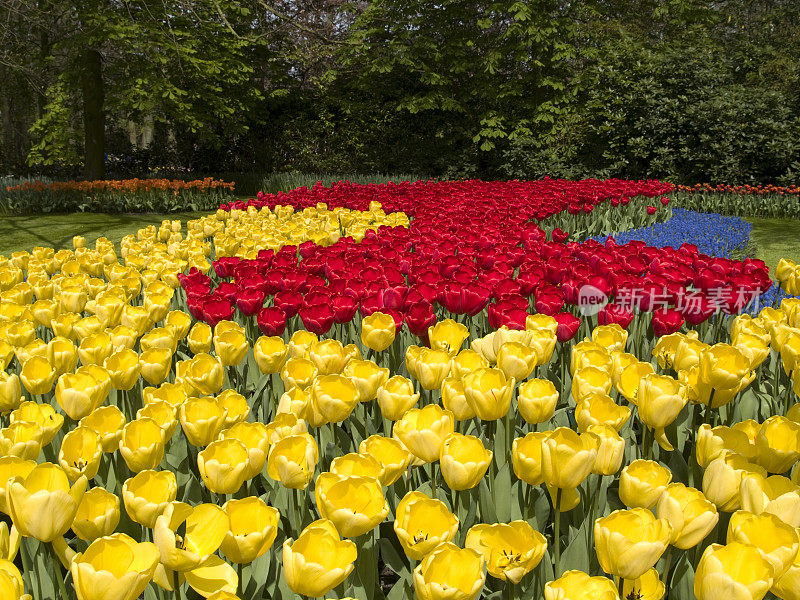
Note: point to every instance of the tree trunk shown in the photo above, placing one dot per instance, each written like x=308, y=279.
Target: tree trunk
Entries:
x=94, y=124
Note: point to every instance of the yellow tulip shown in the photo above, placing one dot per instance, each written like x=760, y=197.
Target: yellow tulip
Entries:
x=647, y=587
x=298, y=372
x=334, y=397
x=432, y=368
x=141, y=444
x=298, y=402
x=613, y=337
x=568, y=458
x=392, y=455
x=147, y=494
x=154, y=364
x=206, y=525
x=734, y=571
x=787, y=586
x=723, y=366
x=378, y=331
x=21, y=439
x=9, y=542
x=690, y=513
x=10, y=392
x=97, y=516
x=354, y=504
x=687, y=354
x=660, y=399
x=775, y=540
x=543, y=342
x=293, y=460
x=328, y=356
x=541, y=321
x=123, y=367
x=235, y=405
x=488, y=392
x=485, y=347
x=95, y=348
x=642, y=482
x=79, y=394
x=451, y=573
x=464, y=461
x=43, y=415
x=423, y=431
x=173, y=394
x=465, y=362
x=610, y=450
x=577, y=585
x=179, y=323
x=270, y=354
x=629, y=542
x=712, y=442
x=526, y=454
x=38, y=375
x=778, y=444
x=107, y=422
x=723, y=477
x=205, y=374
x=42, y=504
x=122, y=337
x=223, y=466
x=396, y=397
x=536, y=400
x=80, y=453
x=200, y=338
x=254, y=526
x=201, y=420
x=511, y=549
x=256, y=439
x=448, y=335
x=114, y=568
x=423, y=523
x=600, y=409
x=590, y=354
x=361, y=465
x=367, y=377
x=775, y=495
x=590, y=380
x=231, y=347
x=517, y=361
x=317, y=561
x=284, y=424
x=162, y=413
x=630, y=377
x=11, y=467
x=454, y=399
x=300, y=343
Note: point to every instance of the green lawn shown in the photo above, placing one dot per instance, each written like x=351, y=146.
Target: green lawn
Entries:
x=775, y=239
x=23, y=233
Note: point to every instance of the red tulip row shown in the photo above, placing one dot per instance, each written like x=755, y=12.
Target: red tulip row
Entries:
x=472, y=246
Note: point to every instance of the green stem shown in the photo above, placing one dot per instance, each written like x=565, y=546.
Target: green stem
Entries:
x=27, y=572
x=240, y=585
x=557, y=533
x=621, y=588
x=667, y=568
x=508, y=590
x=57, y=576
x=432, y=476
x=177, y=585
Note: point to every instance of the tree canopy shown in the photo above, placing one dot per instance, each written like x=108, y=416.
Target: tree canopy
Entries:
x=681, y=89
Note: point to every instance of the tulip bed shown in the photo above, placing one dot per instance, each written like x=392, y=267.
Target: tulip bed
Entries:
x=433, y=390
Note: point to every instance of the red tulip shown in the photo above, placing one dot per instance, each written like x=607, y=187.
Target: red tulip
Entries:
x=568, y=325
x=666, y=322
x=250, y=301
x=271, y=320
